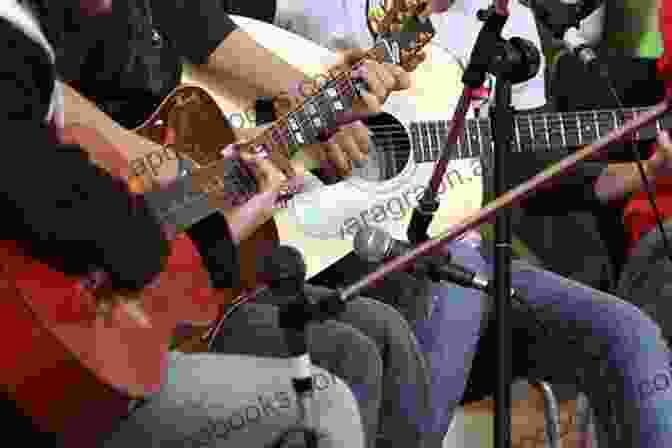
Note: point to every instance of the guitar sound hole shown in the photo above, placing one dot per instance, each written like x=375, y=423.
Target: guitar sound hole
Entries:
x=389, y=152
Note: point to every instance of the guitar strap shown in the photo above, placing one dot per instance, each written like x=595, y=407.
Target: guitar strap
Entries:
x=20, y=15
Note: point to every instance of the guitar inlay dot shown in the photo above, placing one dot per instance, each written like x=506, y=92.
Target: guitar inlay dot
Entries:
x=338, y=105
x=332, y=92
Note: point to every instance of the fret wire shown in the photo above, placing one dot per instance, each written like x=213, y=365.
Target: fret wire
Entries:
x=548, y=134
x=444, y=126
x=311, y=100
x=540, y=124
x=423, y=143
x=597, y=124
x=479, y=135
x=426, y=141
x=484, y=124
x=516, y=128
x=528, y=136
x=563, y=131
x=415, y=140
x=434, y=134
x=321, y=115
x=473, y=132
x=465, y=138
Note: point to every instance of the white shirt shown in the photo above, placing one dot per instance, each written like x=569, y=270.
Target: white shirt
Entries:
x=339, y=23
x=458, y=28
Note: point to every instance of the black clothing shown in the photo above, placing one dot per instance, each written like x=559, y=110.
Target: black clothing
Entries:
x=129, y=60
x=554, y=223
x=567, y=228
x=77, y=216
x=263, y=10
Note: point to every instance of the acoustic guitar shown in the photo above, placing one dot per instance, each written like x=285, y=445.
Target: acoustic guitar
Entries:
x=407, y=140
x=75, y=370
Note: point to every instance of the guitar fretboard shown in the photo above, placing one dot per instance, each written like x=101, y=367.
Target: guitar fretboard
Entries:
x=532, y=132
x=188, y=200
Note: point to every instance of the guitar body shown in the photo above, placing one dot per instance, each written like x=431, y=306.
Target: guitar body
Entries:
x=322, y=221
x=196, y=128
x=72, y=370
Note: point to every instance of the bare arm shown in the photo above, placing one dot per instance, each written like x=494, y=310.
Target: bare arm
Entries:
x=620, y=179
x=244, y=79
x=131, y=146
x=243, y=220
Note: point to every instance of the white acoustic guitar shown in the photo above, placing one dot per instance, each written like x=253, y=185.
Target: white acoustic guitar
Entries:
x=407, y=140
x=322, y=221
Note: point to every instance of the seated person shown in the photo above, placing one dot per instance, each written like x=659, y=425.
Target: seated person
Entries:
x=104, y=227
x=115, y=65
x=566, y=306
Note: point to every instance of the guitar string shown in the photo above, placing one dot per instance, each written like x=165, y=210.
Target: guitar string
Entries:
x=342, y=80
x=559, y=117
x=591, y=128
x=341, y=83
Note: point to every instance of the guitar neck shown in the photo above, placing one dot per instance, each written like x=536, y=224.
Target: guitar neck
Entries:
x=532, y=132
x=187, y=200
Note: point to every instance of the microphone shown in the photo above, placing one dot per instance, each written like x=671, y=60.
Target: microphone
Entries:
x=577, y=26
x=284, y=271
x=375, y=245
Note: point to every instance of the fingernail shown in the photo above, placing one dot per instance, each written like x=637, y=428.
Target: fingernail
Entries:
x=230, y=151
x=297, y=89
x=360, y=71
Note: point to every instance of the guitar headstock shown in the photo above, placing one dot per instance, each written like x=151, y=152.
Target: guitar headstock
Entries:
x=401, y=33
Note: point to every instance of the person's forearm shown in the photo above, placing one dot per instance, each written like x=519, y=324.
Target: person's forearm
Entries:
x=263, y=72
x=131, y=146
x=621, y=179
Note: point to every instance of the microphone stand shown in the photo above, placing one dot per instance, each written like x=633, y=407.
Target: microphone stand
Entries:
x=286, y=269
x=502, y=131
x=508, y=62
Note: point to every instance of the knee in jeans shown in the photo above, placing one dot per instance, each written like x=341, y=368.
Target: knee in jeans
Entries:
x=346, y=351
x=632, y=329
x=337, y=404
x=393, y=319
